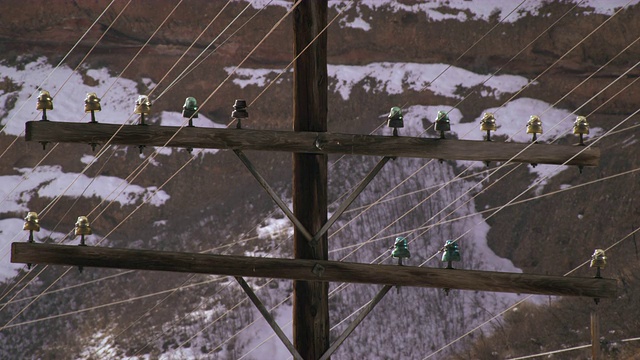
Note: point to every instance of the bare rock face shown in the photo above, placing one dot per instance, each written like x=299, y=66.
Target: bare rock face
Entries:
x=576, y=60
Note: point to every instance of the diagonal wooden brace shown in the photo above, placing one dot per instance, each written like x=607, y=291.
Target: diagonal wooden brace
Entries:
x=273, y=195
x=370, y=305
x=345, y=204
x=267, y=316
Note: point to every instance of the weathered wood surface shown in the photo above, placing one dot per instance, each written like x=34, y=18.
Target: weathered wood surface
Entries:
x=310, y=142
x=311, y=327
x=311, y=270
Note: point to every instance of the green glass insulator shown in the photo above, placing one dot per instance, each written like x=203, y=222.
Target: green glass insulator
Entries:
x=190, y=108
x=400, y=248
x=451, y=251
x=395, y=118
x=442, y=121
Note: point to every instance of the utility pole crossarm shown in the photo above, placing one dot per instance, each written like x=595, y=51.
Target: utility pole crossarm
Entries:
x=311, y=270
x=310, y=142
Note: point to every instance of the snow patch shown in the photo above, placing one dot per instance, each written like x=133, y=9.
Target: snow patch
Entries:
x=254, y=338
x=50, y=181
x=465, y=10
x=395, y=78
x=275, y=229
x=87, y=159
x=511, y=121
x=68, y=90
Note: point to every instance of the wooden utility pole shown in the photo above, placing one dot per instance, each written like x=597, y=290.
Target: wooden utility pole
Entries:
x=595, y=334
x=310, y=298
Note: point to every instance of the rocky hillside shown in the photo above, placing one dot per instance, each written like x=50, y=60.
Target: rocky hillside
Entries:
x=557, y=59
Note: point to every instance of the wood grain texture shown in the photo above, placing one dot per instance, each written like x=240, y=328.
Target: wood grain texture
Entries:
x=311, y=142
x=311, y=270
x=311, y=327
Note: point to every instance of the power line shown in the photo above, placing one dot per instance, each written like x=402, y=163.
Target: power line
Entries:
x=56, y=145
x=518, y=202
x=118, y=302
x=547, y=69
x=273, y=28
x=56, y=67
x=191, y=66
x=530, y=82
x=338, y=290
x=52, y=203
x=524, y=299
x=143, y=168
x=294, y=59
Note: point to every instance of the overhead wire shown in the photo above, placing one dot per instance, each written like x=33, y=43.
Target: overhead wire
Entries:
x=485, y=34
x=248, y=326
x=141, y=167
x=459, y=58
x=596, y=71
x=100, y=153
x=126, y=272
x=190, y=67
x=452, y=212
x=479, y=326
x=26, y=176
x=130, y=62
x=288, y=65
x=206, y=326
x=557, y=102
x=59, y=89
x=55, y=146
x=518, y=202
x=524, y=299
x=572, y=348
x=191, y=285
x=117, y=302
x=456, y=105
x=126, y=67
x=160, y=187
x=528, y=146
x=295, y=58
x=54, y=69
x=565, y=14
x=512, y=170
x=273, y=81
x=204, y=102
x=45, y=211
x=485, y=81
x=245, y=8
x=542, y=178
x=625, y=49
